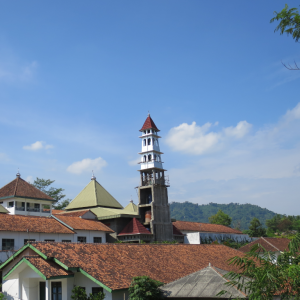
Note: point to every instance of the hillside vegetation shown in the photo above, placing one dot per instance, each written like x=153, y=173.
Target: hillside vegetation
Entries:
x=241, y=214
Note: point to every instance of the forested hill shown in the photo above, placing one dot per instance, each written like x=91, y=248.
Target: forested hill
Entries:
x=242, y=213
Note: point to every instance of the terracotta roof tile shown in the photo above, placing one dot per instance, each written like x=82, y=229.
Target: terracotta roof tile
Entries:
x=176, y=231
x=270, y=244
x=47, y=267
x=32, y=223
x=115, y=264
x=134, y=227
x=204, y=227
x=83, y=224
x=57, y=211
x=21, y=188
x=149, y=124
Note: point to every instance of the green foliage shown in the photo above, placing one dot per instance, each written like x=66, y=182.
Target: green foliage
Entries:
x=145, y=288
x=289, y=22
x=78, y=293
x=229, y=242
x=56, y=193
x=260, y=277
x=256, y=229
x=240, y=213
x=287, y=225
x=2, y=297
x=220, y=218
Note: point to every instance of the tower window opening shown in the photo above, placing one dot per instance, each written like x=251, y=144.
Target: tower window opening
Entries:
x=144, y=142
x=144, y=131
x=149, y=141
x=158, y=158
x=149, y=157
x=155, y=157
x=148, y=131
x=145, y=158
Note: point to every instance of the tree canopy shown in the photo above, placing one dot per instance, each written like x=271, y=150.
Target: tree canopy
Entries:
x=55, y=193
x=262, y=276
x=256, y=229
x=220, y=218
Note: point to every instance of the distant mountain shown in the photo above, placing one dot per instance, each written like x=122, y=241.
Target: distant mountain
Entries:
x=242, y=213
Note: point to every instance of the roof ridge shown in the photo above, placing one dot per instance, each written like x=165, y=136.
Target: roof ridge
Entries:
x=17, y=181
x=270, y=243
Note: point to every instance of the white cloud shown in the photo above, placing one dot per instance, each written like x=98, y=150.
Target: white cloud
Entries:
x=87, y=165
x=293, y=114
x=37, y=146
x=199, y=140
x=29, y=179
x=134, y=162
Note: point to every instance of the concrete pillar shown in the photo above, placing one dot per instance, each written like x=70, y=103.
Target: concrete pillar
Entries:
x=48, y=290
x=20, y=288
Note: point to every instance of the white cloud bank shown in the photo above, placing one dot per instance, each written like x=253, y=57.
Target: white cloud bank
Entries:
x=37, y=146
x=198, y=140
x=87, y=165
x=238, y=164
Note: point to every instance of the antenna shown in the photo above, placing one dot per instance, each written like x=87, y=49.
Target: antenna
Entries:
x=93, y=176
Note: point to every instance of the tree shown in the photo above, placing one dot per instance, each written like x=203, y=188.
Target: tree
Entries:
x=289, y=24
x=261, y=278
x=145, y=288
x=78, y=293
x=256, y=229
x=56, y=193
x=220, y=218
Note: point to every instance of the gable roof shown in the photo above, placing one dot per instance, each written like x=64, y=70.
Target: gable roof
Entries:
x=73, y=213
x=93, y=195
x=204, y=227
x=3, y=210
x=206, y=283
x=83, y=224
x=131, y=207
x=176, y=231
x=32, y=224
x=134, y=227
x=148, y=124
x=270, y=244
x=114, y=265
x=21, y=188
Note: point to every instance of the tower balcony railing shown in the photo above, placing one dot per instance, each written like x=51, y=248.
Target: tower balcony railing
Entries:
x=161, y=181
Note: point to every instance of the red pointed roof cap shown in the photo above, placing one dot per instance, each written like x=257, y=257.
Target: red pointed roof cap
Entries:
x=134, y=227
x=149, y=124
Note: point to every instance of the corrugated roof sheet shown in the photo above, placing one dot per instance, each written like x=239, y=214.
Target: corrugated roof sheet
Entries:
x=106, y=213
x=93, y=195
x=3, y=210
x=21, y=188
x=206, y=283
x=131, y=207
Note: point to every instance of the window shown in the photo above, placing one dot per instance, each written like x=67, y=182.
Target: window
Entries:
x=8, y=244
x=144, y=131
x=11, y=204
x=37, y=206
x=145, y=158
x=98, y=240
x=66, y=241
x=96, y=290
x=149, y=157
x=81, y=239
x=28, y=240
x=144, y=142
x=155, y=157
x=49, y=240
x=149, y=141
x=148, y=131
x=56, y=291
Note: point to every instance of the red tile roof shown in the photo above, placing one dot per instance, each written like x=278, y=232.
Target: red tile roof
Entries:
x=83, y=224
x=115, y=264
x=57, y=211
x=32, y=224
x=134, y=227
x=21, y=188
x=47, y=267
x=149, y=124
x=270, y=244
x=78, y=213
x=204, y=227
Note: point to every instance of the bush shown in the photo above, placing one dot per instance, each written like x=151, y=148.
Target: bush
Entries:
x=145, y=288
x=78, y=293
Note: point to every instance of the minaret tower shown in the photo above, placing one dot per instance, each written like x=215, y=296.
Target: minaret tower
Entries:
x=153, y=194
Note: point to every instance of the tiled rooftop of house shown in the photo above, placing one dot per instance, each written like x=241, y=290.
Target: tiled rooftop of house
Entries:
x=83, y=224
x=21, y=188
x=176, y=231
x=77, y=213
x=149, y=124
x=270, y=244
x=32, y=224
x=204, y=227
x=134, y=227
x=47, y=267
x=115, y=264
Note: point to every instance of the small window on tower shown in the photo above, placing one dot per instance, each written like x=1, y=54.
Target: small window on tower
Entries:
x=148, y=131
x=144, y=142
x=144, y=131
x=149, y=141
x=155, y=157
x=145, y=158
x=149, y=157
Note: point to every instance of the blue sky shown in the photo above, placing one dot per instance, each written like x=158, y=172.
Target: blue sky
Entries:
x=77, y=80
